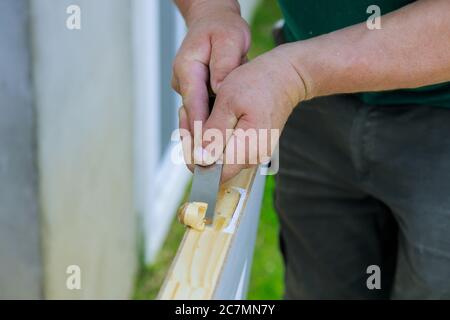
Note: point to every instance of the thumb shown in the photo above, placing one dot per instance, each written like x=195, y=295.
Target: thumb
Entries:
x=217, y=131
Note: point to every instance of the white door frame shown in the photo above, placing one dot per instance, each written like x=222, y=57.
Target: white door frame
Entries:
x=159, y=182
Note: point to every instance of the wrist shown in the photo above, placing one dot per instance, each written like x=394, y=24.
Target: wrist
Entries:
x=298, y=57
x=326, y=66
x=204, y=8
x=296, y=85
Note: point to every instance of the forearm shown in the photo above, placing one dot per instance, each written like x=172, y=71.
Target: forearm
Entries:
x=411, y=50
x=192, y=9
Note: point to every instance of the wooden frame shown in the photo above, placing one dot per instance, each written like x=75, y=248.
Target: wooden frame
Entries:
x=204, y=258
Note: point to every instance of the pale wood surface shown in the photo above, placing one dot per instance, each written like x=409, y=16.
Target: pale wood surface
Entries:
x=201, y=257
x=192, y=214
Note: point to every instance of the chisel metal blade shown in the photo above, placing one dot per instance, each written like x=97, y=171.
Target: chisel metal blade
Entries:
x=205, y=187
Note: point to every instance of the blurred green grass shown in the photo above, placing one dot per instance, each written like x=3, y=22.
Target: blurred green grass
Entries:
x=266, y=281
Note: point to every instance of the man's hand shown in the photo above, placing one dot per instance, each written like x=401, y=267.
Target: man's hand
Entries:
x=216, y=43
x=257, y=95
x=260, y=94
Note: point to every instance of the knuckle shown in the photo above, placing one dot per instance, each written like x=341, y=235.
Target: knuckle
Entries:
x=180, y=69
x=177, y=64
x=230, y=38
x=226, y=64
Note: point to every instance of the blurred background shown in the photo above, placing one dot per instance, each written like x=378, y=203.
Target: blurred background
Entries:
x=86, y=179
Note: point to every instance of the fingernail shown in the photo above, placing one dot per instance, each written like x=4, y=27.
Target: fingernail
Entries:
x=202, y=156
x=208, y=159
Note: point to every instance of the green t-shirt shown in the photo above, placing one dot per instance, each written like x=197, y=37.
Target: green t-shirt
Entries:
x=310, y=18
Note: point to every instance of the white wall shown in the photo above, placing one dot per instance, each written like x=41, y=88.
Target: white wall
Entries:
x=83, y=87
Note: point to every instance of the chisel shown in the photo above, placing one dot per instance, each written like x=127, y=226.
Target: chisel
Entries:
x=206, y=182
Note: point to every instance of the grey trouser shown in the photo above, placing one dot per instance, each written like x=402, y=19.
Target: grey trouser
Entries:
x=365, y=185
